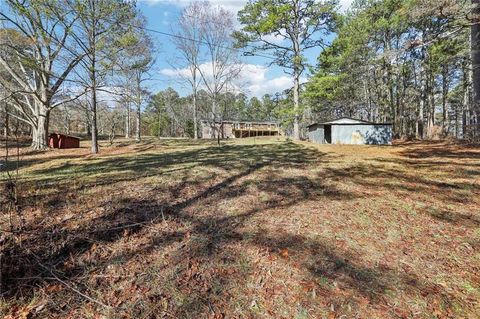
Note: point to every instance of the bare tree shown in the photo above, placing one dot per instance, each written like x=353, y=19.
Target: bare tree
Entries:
x=223, y=66
x=124, y=101
x=3, y=106
x=141, y=60
x=38, y=62
x=188, y=42
x=98, y=36
x=124, y=93
x=134, y=66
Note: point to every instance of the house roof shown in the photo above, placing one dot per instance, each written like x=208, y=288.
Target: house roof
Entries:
x=347, y=121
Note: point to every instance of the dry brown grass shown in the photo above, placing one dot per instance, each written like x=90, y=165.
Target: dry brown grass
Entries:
x=253, y=229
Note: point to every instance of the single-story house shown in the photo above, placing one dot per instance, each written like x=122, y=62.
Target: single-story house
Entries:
x=239, y=129
x=347, y=130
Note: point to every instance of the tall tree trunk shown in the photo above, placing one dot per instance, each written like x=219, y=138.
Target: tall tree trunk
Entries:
x=466, y=98
x=138, y=137
x=88, y=122
x=296, y=104
x=295, y=37
x=391, y=99
x=214, y=108
x=139, y=110
x=419, y=132
x=214, y=120
x=456, y=121
x=390, y=83
x=445, y=119
x=94, y=107
x=195, y=128
x=159, y=124
x=40, y=130
x=93, y=79
x=127, y=120
x=94, y=120
x=430, y=103
x=475, y=56
x=7, y=120
x=368, y=97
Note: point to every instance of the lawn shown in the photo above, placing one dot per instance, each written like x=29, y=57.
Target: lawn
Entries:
x=254, y=228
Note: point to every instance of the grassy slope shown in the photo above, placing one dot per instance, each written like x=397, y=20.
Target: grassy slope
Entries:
x=255, y=228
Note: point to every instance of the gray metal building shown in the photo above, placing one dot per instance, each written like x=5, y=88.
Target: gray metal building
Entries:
x=347, y=130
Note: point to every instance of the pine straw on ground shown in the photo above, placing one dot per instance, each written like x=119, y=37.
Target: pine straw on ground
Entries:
x=260, y=228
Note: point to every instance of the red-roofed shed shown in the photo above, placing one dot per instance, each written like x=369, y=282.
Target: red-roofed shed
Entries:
x=63, y=141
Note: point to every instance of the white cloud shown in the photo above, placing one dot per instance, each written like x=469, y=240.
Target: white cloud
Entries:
x=184, y=73
x=345, y=4
x=253, y=79
x=273, y=38
x=257, y=83
x=172, y=73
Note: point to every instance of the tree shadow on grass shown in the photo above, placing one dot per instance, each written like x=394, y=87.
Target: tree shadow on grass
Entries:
x=442, y=149
x=190, y=250
x=471, y=220
x=135, y=166
x=205, y=256
x=60, y=248
x=381, y=178
x=365, y=174
x=425, y=163
x=208, y=274
x=21, y=163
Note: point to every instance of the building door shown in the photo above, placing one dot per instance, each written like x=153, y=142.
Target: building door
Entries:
x=328, y=134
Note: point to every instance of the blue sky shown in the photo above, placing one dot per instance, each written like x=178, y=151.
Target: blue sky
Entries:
x=257, y=78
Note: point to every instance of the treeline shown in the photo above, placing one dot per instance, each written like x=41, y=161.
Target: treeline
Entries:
x=168, y=114
x=405, y=62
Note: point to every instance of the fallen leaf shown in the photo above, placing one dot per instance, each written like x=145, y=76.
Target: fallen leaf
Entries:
x=284, y=253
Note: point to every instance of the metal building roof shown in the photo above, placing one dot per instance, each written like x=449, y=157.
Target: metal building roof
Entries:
x=347, y=121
